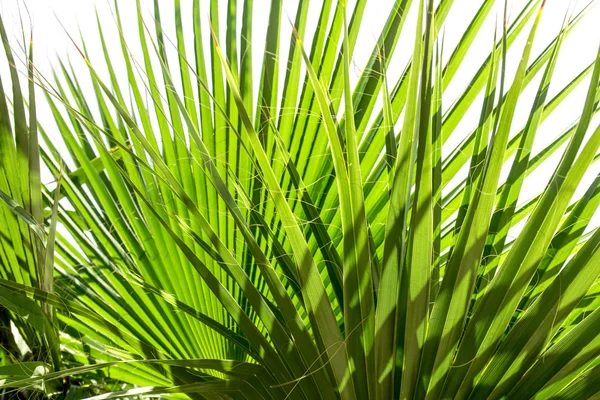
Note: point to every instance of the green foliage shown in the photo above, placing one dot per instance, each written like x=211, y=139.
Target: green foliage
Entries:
x=309, y=243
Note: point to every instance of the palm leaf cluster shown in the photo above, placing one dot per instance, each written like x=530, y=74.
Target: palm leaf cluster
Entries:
x=314, y=241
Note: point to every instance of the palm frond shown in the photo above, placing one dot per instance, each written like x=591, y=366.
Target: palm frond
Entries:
x=309, y=234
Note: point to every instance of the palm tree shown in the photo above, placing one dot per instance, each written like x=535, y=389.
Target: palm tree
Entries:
x=310, y=242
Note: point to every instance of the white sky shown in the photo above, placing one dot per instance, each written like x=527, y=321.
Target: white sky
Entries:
x=51, y=42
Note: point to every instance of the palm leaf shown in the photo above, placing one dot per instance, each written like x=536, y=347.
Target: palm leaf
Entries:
x=229, y=220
